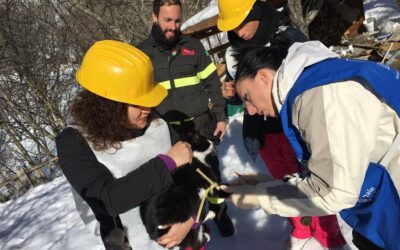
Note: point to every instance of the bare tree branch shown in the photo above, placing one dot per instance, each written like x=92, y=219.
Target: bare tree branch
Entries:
x=302, y=13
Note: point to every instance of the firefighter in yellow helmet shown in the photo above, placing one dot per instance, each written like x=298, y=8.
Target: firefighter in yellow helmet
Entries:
x=250, y=23
x=115, y=153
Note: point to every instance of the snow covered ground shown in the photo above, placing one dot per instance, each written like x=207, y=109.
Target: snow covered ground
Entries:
x=46, y=218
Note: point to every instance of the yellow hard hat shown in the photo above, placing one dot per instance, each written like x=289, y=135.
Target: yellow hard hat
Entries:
x=232, y=13
x=120, y=72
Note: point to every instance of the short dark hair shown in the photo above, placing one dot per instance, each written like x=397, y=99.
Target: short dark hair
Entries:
x=157, y=4
x=253, y=58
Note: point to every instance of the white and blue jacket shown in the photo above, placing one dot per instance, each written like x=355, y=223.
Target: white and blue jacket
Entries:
x=340, y=116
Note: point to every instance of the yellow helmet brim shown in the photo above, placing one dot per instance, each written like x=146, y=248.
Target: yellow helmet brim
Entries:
x=151, y=99
x=120, y=72
x=231, y=23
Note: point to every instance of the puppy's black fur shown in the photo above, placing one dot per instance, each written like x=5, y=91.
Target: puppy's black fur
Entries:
x=178, y=202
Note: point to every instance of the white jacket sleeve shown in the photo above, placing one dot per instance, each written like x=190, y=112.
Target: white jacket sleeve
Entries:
x=345, y=127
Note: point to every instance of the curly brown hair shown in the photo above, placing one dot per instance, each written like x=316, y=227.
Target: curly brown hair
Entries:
x=104, y=122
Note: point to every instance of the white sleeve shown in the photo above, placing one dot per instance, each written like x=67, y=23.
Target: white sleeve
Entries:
x=339, y=123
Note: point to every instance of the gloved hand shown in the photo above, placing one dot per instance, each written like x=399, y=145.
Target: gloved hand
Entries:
x=242, y=196
x=250, y=179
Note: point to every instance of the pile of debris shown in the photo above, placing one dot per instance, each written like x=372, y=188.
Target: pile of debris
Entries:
x=372, y=46
x=342, y=27
x=336, y=19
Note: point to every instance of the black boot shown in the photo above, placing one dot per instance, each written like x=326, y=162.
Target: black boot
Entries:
x=363, y=243
x=222, y=220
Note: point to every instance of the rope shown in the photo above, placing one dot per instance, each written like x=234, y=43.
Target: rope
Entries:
x=213, y=185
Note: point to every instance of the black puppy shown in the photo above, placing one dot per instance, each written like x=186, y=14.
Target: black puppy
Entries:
x=181, y=200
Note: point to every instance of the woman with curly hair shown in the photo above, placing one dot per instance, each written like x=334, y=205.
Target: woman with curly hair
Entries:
x=116, y=153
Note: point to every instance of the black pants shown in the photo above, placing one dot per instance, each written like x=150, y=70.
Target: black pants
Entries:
x=363, y=243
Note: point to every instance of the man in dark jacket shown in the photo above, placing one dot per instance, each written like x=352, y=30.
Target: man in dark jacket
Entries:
x=184, y=68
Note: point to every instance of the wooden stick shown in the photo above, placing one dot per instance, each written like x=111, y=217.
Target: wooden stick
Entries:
x=387, y=52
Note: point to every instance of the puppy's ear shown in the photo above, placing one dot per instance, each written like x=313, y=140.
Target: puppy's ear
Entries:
x=209, y=216
x=187, y=135
x=196, y=136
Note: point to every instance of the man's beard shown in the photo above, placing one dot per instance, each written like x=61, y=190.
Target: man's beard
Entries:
x=163, y=40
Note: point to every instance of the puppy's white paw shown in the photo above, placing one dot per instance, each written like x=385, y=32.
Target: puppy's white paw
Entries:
x=210, y=215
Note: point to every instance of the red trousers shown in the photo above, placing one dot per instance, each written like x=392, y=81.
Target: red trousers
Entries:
x=281, y=160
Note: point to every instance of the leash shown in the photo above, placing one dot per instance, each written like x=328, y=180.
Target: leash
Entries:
x=181, y=122
x=213, y=185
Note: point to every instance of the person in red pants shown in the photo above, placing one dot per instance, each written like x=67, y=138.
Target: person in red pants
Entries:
x=280, y=159
x=250, y=23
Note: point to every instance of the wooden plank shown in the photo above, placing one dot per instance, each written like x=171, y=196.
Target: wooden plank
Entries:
x=203, y=25
x=219, y=48
x=205, y=33
x=392, y=45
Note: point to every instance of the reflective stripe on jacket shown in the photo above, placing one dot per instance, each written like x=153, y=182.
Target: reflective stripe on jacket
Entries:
x=190, y=77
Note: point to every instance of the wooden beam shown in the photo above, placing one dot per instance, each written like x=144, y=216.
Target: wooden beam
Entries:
x=203, y=25
x=219, y=48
